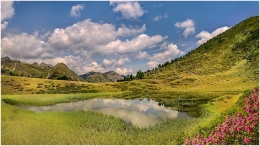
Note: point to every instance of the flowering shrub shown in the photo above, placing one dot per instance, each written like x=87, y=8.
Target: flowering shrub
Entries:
x=239, y=129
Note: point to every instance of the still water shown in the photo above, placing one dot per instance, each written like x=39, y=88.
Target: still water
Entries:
x=142, y=113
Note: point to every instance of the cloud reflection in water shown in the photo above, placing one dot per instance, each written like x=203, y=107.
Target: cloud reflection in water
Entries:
x=142, y=113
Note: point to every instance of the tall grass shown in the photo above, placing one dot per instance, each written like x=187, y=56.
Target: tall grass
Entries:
x=51, y=99
x=21, y=126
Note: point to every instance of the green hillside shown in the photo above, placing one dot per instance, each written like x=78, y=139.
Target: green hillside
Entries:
x=17, y=68
x=61, y=72
x=35, y=70
x=229, y=58
x=113, y=76
x=96, y=77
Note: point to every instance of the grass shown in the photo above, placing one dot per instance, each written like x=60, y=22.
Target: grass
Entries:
x=89, y=127
x=94, y=128
x=51, y=99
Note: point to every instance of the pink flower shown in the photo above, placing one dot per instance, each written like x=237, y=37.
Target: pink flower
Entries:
x=239, y=128
x=213, y=132
x=246, y=140
x=248, y=129
x=233, y=128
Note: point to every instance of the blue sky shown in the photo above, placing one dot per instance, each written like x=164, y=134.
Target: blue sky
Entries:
x=120, y=36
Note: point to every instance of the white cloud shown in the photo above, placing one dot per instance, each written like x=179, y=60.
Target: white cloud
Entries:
x=158, y=17
x=171, y=52
x=89, y=35
x=204, y=36
x=188, y=25
x=129, y=10
x=25, y=46
x=152, y=64
x=107, y=62
x=94, y=66
x=124, y=31
x=4, y=25
x=7, y=10
x=82, y=39
x=142, y=55
x=115, y=63
x=45, y=35
x=75, y=10
x=122, y=61
x=123, y=71
x=136, y=44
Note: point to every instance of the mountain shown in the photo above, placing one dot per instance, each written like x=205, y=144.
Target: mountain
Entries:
x=58, y=72
x=5, y=60
x=44, y=65
x=113, y=76
x=61, y=72
x=17, y=68
x=35, y=70
x=232, y=55
x=84, y=76
x=95, y=77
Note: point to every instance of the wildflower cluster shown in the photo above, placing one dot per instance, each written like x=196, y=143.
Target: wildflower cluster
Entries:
x=239, y=129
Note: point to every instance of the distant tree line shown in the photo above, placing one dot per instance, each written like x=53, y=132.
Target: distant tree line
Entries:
x=139, y=75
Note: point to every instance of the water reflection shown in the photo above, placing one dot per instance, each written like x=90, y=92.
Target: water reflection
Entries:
x=142, y=113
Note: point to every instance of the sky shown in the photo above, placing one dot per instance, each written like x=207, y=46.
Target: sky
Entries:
x=121, y=36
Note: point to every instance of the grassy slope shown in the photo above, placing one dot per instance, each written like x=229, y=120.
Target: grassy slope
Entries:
x=96, y=78
x=229, y=59
x=24, y=69
x=61, y=72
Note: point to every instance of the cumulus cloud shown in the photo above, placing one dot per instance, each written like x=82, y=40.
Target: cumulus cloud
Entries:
x=136, y=44
x=7, y=10
x=89, y=35
x=142, y=55
x=158, y=17
x=115, y=63
x=123, y=71
x=74, y=12
x=171, y=52
x=122, y=61
x=94, y=66
x=82, y=39
x=107, y=62
x=25, y=46
x=188, y=25
x=152, y=64
x=129, y=10
x=4, y=25
x=204, y=36
x=124, y=31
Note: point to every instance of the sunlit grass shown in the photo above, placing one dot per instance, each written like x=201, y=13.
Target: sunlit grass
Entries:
x=51, y=99
x=21, y=126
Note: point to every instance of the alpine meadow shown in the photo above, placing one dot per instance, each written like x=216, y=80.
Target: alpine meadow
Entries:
x=130, y=73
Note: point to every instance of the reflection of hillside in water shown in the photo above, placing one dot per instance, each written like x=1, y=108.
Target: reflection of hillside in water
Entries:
x=140, y=113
